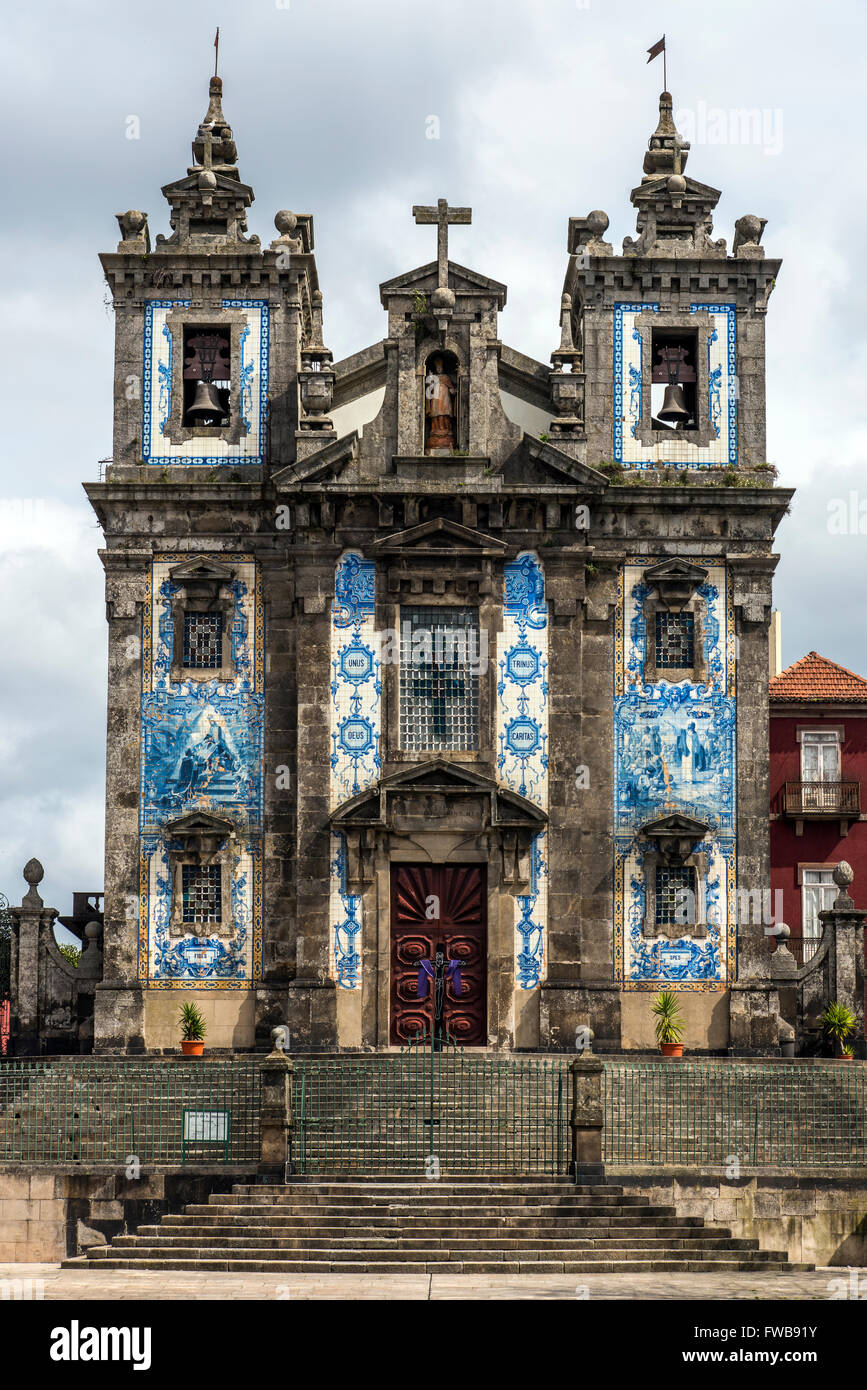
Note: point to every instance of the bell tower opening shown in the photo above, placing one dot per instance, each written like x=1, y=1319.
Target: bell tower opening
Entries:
x=674, y=380
x=207, y=375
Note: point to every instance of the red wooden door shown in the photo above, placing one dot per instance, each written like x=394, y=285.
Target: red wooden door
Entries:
x=439, y=905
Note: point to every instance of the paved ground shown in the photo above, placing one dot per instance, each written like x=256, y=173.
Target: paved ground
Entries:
x=52, y=1282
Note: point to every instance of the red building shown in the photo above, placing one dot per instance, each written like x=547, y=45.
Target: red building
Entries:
x=818, y=745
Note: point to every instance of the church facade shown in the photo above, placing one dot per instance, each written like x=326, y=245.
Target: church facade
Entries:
x=437, y=646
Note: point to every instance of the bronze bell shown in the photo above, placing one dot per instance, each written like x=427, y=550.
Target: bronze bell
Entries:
x=206, y=403
x=673, y=406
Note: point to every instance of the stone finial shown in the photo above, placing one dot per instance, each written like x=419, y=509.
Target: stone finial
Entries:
x=90, y=961
x=213, y=147
x=33, y=874
x=748, y=235
x=134, y=231
x=843, y=875
x=667, y=151
x=566, y=343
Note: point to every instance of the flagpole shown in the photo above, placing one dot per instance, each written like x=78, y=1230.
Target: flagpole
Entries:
x=216, y=52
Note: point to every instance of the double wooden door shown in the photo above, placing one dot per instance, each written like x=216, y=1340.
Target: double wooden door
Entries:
x=439, y=905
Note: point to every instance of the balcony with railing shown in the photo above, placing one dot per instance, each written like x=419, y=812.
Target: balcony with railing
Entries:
x=814, y=800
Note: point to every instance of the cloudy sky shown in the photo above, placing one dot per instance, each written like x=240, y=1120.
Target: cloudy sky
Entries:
x=543, y=110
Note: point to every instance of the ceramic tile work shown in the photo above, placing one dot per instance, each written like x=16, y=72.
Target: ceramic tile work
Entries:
x=356, y=709
x=157, y=388
x=674, y=750
x=674, y=448
x=202, y=749
x=522, y=738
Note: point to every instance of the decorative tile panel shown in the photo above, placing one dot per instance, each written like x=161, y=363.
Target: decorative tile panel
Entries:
x=674, y=447
x=157, y=389
x=674, y=751
x=202, y=750
x=522, y=738
x=356, y=712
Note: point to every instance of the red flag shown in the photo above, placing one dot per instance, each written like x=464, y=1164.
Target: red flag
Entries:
x=656, y=49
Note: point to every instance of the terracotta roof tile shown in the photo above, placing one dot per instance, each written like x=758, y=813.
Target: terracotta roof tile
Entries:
x=814, y=677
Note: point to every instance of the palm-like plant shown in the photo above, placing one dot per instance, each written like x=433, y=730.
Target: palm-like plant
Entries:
x=192, y=1023
x=670, y=1026
x=838, y=1023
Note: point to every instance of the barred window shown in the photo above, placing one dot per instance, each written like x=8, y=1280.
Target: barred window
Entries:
x=439, y=677
x=675, y=640
x=202, y=896
x=675, y=895
x=203, y=640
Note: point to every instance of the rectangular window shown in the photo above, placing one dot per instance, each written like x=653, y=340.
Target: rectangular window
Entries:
x=202, y=894
x=675, y=641
x=439, y=678
x=820, y=756
x=675, y=895
x=818, y=891
x=203, y=640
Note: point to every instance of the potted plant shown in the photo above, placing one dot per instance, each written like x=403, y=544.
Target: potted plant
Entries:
x=670, y=1026
x=193, y=1030
x=838, y=1024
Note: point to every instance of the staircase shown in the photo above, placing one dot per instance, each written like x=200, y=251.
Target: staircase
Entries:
x=482, y=1226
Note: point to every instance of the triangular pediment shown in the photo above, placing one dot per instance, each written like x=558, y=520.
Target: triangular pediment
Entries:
x=198, y=823
x=327, y=463
x=439, y=536
x=675, y=826
x=230, y=187
x=508, y=809
x=201, y=569
x=675, y=568
x=654, y=189
x=460, y=279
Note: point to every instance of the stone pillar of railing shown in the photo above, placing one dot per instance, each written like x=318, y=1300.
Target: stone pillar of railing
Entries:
x=587, y=1118
x=32, y=923
x=277, y=1075
x=844, y=925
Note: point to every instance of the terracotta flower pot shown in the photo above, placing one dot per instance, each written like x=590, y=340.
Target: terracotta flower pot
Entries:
x=842, y=1057
x=192, y=1049
x=671, y=1049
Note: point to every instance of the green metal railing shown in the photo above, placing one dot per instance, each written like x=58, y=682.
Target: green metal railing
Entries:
x=91, y=1111
x=706, y=1114
x=424, y=1111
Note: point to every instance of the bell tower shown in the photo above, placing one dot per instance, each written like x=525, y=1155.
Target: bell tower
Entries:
x=217, y=342
x=673, y=329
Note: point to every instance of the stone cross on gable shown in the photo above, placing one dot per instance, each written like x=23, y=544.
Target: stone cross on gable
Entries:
x=442, y=215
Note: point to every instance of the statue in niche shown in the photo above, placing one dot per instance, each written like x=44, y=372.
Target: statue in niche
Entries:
x=439, y=405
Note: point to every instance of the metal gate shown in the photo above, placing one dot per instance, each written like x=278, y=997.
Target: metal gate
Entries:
x=431, y=1110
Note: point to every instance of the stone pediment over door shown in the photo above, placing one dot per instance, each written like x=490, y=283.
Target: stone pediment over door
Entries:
x=439, y=795
x=439, y=538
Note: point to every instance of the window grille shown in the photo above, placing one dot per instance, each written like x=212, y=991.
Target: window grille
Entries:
x=203, y=640
x=439, y=678
x=202, y=896
x=675, y=641
x=675, y=895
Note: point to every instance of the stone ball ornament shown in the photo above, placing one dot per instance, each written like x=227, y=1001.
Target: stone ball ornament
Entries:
x=442, y=299
x=285, y=222
x=597, y=222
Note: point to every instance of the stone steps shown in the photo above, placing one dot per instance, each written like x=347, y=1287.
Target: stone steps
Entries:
x=478, y=1227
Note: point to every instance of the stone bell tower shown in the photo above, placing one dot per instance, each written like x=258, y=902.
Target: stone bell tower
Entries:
x=659, y=382
x=219, y=367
